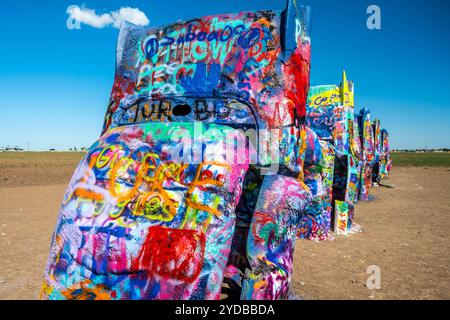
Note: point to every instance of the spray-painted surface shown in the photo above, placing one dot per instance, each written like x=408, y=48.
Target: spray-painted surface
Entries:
x=272, y=236
x=386, y=162
x=355, y=154
x=368, y=151
x=319, y=164
x=320, y=119
x=132, y=217
x=330, y=114
x=378, y=151
x=152, y=209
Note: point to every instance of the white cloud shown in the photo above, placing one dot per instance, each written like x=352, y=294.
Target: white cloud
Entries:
x=89, y=17
x=132, y=15
x=78, y=15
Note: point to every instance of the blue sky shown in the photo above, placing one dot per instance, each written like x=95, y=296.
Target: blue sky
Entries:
x=55, y=82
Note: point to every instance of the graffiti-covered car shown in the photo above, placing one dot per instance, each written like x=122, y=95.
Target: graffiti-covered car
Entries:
x=386, y=161
x=368, y=153
x=197, y=175
x=334, y=176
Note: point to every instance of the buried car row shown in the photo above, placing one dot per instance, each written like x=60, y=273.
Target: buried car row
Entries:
x=138, y=221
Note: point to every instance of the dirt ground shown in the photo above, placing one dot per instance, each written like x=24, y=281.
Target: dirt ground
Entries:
x=405, y=233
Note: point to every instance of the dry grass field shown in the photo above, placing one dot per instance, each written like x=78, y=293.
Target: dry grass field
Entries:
x=37, y=168
x=405, y=232
x=421, y=159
